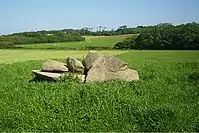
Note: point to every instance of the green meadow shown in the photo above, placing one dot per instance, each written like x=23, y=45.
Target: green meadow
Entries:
x=9, y=56
x=166, y=98
x=90, y=41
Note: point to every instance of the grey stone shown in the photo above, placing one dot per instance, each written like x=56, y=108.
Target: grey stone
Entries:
x=110, y=68
x=90, y=58
x=74, y=65
x=54, y=66
x=48, y=75
x=57, y=76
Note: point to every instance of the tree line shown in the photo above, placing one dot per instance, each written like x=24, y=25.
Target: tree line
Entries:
x=164, y=37
x=39, y=37
x=65, y=35
x=101, y=31
x=161, y=36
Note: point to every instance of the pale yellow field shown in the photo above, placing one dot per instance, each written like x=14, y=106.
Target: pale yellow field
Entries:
x=108, y=37
x=10, y=56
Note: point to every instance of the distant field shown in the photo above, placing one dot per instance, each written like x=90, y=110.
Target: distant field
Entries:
x=108, y=37
x=10, y=56
x=94, y=41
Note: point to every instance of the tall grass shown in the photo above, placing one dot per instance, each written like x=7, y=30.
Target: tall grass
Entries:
x=166, y=98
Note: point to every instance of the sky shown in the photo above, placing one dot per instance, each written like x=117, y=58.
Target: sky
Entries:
x=33, y=15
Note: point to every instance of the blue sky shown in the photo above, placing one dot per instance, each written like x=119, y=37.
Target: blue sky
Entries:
x=31, y=15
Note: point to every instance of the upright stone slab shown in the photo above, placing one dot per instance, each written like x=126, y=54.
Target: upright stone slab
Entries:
x=74, y=65
x=90, y=58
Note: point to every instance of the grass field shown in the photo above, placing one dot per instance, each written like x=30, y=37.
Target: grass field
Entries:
x=10, y=56
x=94, y=41
x=166, y=98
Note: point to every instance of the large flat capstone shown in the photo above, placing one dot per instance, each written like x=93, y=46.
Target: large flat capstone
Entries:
x=48, y=75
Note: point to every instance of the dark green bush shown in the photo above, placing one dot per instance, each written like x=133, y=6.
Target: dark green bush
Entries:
x=164, y=37
x=37, y=37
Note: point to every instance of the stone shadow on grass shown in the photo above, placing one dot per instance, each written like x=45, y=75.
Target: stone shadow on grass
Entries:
x=157, y=120
x=35, y=79
x=194, y=76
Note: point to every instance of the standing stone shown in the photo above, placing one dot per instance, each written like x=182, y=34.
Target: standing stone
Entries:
x=110, y=68
x=90, y=58
x=74, y=65
x=54, y=66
